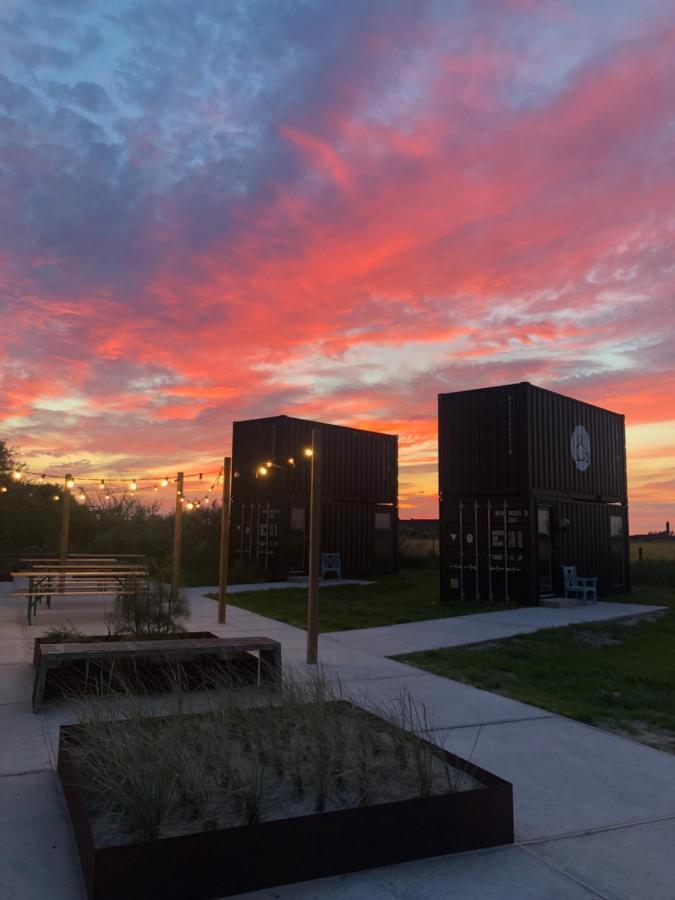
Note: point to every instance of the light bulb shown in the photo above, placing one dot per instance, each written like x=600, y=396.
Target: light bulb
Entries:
x=3, y=489
x=17, y=475
x=133, y=486
x=291, y=461
x=309, y=451
x=70, y=483
x=56, y=497
x=262, y=470
x=165, y=482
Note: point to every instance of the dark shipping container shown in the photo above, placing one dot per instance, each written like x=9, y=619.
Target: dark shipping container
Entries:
x=270, y=513
x=529, y=481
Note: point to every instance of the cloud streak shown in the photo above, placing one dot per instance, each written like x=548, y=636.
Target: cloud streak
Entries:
x=222, y=211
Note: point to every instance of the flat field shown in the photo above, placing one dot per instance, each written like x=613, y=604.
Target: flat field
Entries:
x=616, y=675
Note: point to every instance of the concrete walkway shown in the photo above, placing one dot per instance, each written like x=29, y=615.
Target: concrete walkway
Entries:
x=595, y=813
x=412, y=637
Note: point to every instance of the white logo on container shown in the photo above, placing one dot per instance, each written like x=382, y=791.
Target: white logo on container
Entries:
x=580, y=445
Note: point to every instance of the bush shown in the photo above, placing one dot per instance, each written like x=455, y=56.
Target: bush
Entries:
x=150, y=610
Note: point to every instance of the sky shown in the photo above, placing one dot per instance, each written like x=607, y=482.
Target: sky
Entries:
x=213, y=211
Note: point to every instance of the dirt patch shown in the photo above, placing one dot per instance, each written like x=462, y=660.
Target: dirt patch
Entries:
x=646, y=617
x=596, y=638
x=659, y=738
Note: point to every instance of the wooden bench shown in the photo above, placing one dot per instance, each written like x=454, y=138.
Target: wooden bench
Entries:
x=55, y=655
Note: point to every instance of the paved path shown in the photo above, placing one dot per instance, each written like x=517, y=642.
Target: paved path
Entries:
x=390, y=640
x=595, y=813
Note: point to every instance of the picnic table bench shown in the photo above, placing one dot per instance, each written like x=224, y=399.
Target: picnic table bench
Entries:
x=46, y=580
x=55, y=655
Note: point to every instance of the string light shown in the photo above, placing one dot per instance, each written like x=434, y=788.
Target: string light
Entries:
x=17, y=474
x=70, y=483
x=42, y=479
x=102, y=485
x=291, y=461
x=3, y=489
x=262, y=470
x=81, y=496
x=165, y=482
x=56, y=497
x=189, y=506
x=309, y=451
x=133, y=486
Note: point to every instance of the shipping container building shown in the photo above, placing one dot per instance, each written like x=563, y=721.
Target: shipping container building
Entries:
x=270, y=513
x=529, y=481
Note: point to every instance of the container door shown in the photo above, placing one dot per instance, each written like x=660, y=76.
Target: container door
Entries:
x=616, y=542
x=544, y=561
x=383, y=541
x=296, y=540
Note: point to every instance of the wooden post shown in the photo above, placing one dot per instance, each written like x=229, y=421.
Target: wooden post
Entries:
x=177, y=529
x=224, y=538
x=314, y=550
x=65, y=520
x=65, y=527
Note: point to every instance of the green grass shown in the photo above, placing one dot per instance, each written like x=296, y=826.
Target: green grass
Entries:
x=412, y=595
x=610, y=674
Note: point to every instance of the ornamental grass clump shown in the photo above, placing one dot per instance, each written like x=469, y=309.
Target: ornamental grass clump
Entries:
x=252, y=755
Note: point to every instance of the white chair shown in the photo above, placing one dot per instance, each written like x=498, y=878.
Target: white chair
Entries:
x=330, y=562
x=575, y=585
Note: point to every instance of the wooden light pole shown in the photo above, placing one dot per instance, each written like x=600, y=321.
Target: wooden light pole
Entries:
x=177, y=529
x=65, y=519
x=224, y=538
x=65, y=527
x=314, y=550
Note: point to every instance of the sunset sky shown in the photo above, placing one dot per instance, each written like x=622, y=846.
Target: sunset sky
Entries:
x=215, y=210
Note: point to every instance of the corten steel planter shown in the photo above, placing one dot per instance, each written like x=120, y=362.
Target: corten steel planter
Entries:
x=234, y=860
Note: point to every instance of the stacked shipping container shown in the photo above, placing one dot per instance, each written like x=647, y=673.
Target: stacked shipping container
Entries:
x=270, y=513
x=529, y=481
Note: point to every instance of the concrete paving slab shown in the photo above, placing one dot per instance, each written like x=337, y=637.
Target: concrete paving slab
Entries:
x=449, y=704
x=38, y=855
x=507, y=873
x=23, y=747
x=16, y=683
x=626, y=863
x=14, y=650
x=569, y=777
x=411, y=637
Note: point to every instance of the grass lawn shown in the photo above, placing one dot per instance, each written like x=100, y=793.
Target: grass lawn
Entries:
x=409, y=596
x=617, y=675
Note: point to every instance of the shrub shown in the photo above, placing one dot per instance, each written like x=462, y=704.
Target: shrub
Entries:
x=150, y=609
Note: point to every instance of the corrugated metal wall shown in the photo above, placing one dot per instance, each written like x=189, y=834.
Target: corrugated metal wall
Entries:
x=357, y=465
x=359, y=492
x=575, y=448
x=533, y=450
x=515, y=438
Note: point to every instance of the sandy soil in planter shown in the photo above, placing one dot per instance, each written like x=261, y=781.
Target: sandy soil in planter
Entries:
x=145, y=778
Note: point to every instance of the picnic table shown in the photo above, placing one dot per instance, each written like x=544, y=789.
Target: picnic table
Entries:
x=82, y=577
x=55, y=655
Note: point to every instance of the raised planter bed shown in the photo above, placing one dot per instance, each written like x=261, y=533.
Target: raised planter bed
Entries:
x=75, y=678
x=231, y=860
